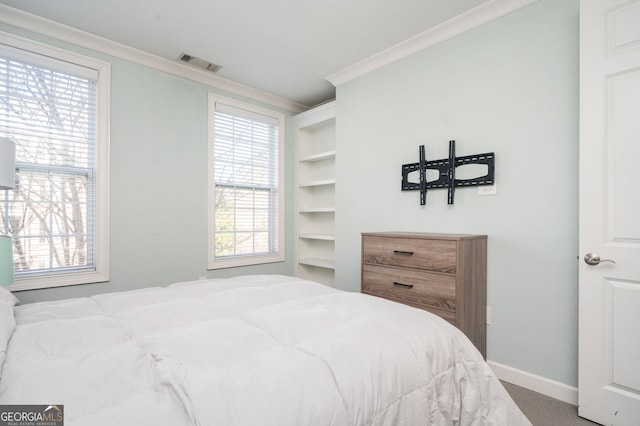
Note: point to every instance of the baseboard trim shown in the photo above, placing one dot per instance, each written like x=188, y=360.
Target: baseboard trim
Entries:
x=557, y=390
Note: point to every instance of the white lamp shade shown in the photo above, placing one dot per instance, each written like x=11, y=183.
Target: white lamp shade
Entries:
x=7, y=163
x=6, y=260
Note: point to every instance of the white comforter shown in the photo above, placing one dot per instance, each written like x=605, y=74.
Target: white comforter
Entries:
x=254, y=350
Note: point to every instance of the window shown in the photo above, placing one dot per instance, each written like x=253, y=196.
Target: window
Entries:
x=245, y=173
x=54, y=105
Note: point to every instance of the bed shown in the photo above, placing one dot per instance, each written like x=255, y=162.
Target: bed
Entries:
x=251, y=350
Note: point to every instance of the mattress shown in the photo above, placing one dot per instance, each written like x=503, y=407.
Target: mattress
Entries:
x=267, y=350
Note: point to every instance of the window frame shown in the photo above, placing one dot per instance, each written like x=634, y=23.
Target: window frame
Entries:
x=253, y=259
x=100, y=271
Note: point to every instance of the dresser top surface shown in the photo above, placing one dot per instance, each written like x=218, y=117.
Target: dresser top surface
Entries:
x=433, y=236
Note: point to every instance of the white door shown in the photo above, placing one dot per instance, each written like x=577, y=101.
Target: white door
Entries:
x=609, y=318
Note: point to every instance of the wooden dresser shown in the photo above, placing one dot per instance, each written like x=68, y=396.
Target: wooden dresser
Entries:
x=445, y=274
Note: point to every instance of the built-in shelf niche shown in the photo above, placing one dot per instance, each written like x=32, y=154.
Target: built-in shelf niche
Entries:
x=315, y=141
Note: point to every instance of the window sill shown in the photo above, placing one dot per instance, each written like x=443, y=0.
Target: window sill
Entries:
x=234, y=262
x=57, y=280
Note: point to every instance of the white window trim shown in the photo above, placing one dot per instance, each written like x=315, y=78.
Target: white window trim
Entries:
x=212, y=262
x=101, y=272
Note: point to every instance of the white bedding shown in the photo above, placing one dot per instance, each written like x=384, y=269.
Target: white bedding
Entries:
x=253, y=350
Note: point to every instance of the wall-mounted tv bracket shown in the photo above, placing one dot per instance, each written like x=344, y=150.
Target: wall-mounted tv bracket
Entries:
x=446, y=173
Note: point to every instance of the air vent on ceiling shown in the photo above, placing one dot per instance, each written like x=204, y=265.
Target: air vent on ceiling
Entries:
x=200, y=63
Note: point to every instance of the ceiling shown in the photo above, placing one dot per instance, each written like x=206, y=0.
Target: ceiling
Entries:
x=283, y=47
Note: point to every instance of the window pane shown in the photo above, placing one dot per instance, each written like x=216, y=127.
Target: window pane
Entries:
x=261, y=240
x=246, y=162
x=51, y=115
x=225, y=243
x=224, y=209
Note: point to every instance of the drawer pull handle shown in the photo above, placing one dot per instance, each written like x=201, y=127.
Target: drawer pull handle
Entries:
x=402, y=285
x=403, y=253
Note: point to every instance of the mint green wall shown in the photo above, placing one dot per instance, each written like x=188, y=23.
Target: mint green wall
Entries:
x=158, y=212
x=511, y=87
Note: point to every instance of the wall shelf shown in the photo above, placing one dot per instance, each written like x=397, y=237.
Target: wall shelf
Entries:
x=318, y=210
x=317, y=262
x=318, y=183
x=325, y=237
x=319, y=157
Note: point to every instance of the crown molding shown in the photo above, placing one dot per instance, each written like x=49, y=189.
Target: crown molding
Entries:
x=46, y=27
x=473, y=18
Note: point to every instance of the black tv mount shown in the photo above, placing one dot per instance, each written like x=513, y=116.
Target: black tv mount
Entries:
x=446, y=173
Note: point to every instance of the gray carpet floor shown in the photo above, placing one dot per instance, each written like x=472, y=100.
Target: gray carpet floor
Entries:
x=542, y=410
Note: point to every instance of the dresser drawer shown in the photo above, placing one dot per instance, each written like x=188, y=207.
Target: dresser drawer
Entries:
x=417, y=288
x=431, y=255
x=445, y=314
x=445, y=274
